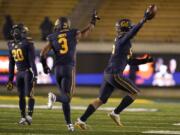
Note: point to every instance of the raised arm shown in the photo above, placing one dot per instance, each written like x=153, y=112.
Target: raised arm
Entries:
x=148, y=15
x=84, y=33
x=43, y=55
x=129, y=35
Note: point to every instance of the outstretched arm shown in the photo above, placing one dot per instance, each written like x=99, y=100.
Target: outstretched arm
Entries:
x=148, y=15
x=133, y=31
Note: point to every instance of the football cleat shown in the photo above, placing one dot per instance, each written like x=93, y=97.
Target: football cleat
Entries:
x=80, y=124
x=70, y=127
x=115, y=118
x=22, y=121
x=51, y=100
x=29, y=120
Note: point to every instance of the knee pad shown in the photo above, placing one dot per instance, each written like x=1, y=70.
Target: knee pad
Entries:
x=66, y=99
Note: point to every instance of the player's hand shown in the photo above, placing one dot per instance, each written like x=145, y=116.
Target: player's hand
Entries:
x=149, y=58
x=34, y=80
x=94, y=18
x=150, y=12
x=9, y=86
x=46, y=70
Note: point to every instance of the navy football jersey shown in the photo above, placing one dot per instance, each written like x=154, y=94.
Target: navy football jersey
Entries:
x=121, y=51
x=64, y=46
x=23, y=55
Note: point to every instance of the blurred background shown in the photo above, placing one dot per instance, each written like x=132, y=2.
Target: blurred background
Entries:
x=159, y=37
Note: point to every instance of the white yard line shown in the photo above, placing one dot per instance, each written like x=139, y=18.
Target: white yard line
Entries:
x=176, y=124
x=162, y=132
x=84, y=107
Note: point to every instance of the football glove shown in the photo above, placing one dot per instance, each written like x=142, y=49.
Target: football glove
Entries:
x=46, y=69
x=94, y=18
x=150, y=12
x=9, y=86
x=149, y=58
x=34, y=79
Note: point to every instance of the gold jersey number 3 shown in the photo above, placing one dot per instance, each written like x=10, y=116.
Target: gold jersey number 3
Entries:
x=64, y=45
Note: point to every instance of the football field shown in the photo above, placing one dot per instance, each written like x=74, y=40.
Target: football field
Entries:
x=145, y=116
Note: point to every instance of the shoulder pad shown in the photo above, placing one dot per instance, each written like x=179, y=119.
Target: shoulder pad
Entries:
x=10, y=42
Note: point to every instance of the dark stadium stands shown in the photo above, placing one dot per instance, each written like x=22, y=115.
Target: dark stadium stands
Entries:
x=164, y=28
x=32, y=12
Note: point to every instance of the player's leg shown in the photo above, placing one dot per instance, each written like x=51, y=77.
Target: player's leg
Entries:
x=105, y=92
x=65, y=82
x=22, y=100
x=30, y=93
x=130, y=88
x=52, y=98
x=67, y=85
x=126, y=85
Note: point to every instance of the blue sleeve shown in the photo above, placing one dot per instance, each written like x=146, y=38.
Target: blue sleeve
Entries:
x=74, y=32
x=31, y=57
x=11, y=66
x=129, y=35
x=135, y=61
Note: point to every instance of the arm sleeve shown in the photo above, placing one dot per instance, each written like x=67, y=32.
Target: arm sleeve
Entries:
x=75, y=31
x=31, y=57
x=135, y=61
x=133, y=31
x=11, y=66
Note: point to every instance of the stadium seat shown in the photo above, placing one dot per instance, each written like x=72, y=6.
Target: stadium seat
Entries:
x=164, y=28
x=32, y=12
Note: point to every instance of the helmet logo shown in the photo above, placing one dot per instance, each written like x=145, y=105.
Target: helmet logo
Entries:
x=124, y=24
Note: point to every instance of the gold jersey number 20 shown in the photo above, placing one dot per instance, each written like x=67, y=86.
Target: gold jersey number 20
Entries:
x=64, y=45
x=18, y=55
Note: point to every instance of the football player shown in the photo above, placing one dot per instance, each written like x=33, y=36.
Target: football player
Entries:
x=63, y=43
x=113, y=74
x=22, y=54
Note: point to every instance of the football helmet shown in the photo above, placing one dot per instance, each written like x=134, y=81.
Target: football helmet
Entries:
x=123, y=25
x=19, y=31
x=62, y=23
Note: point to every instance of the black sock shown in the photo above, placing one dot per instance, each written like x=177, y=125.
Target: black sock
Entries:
x=67, y=112
x=89, y=111
x=22, y=106
x=126, y=101
x=31, y=103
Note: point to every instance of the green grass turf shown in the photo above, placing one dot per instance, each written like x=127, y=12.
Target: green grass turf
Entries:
x=52, y=121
